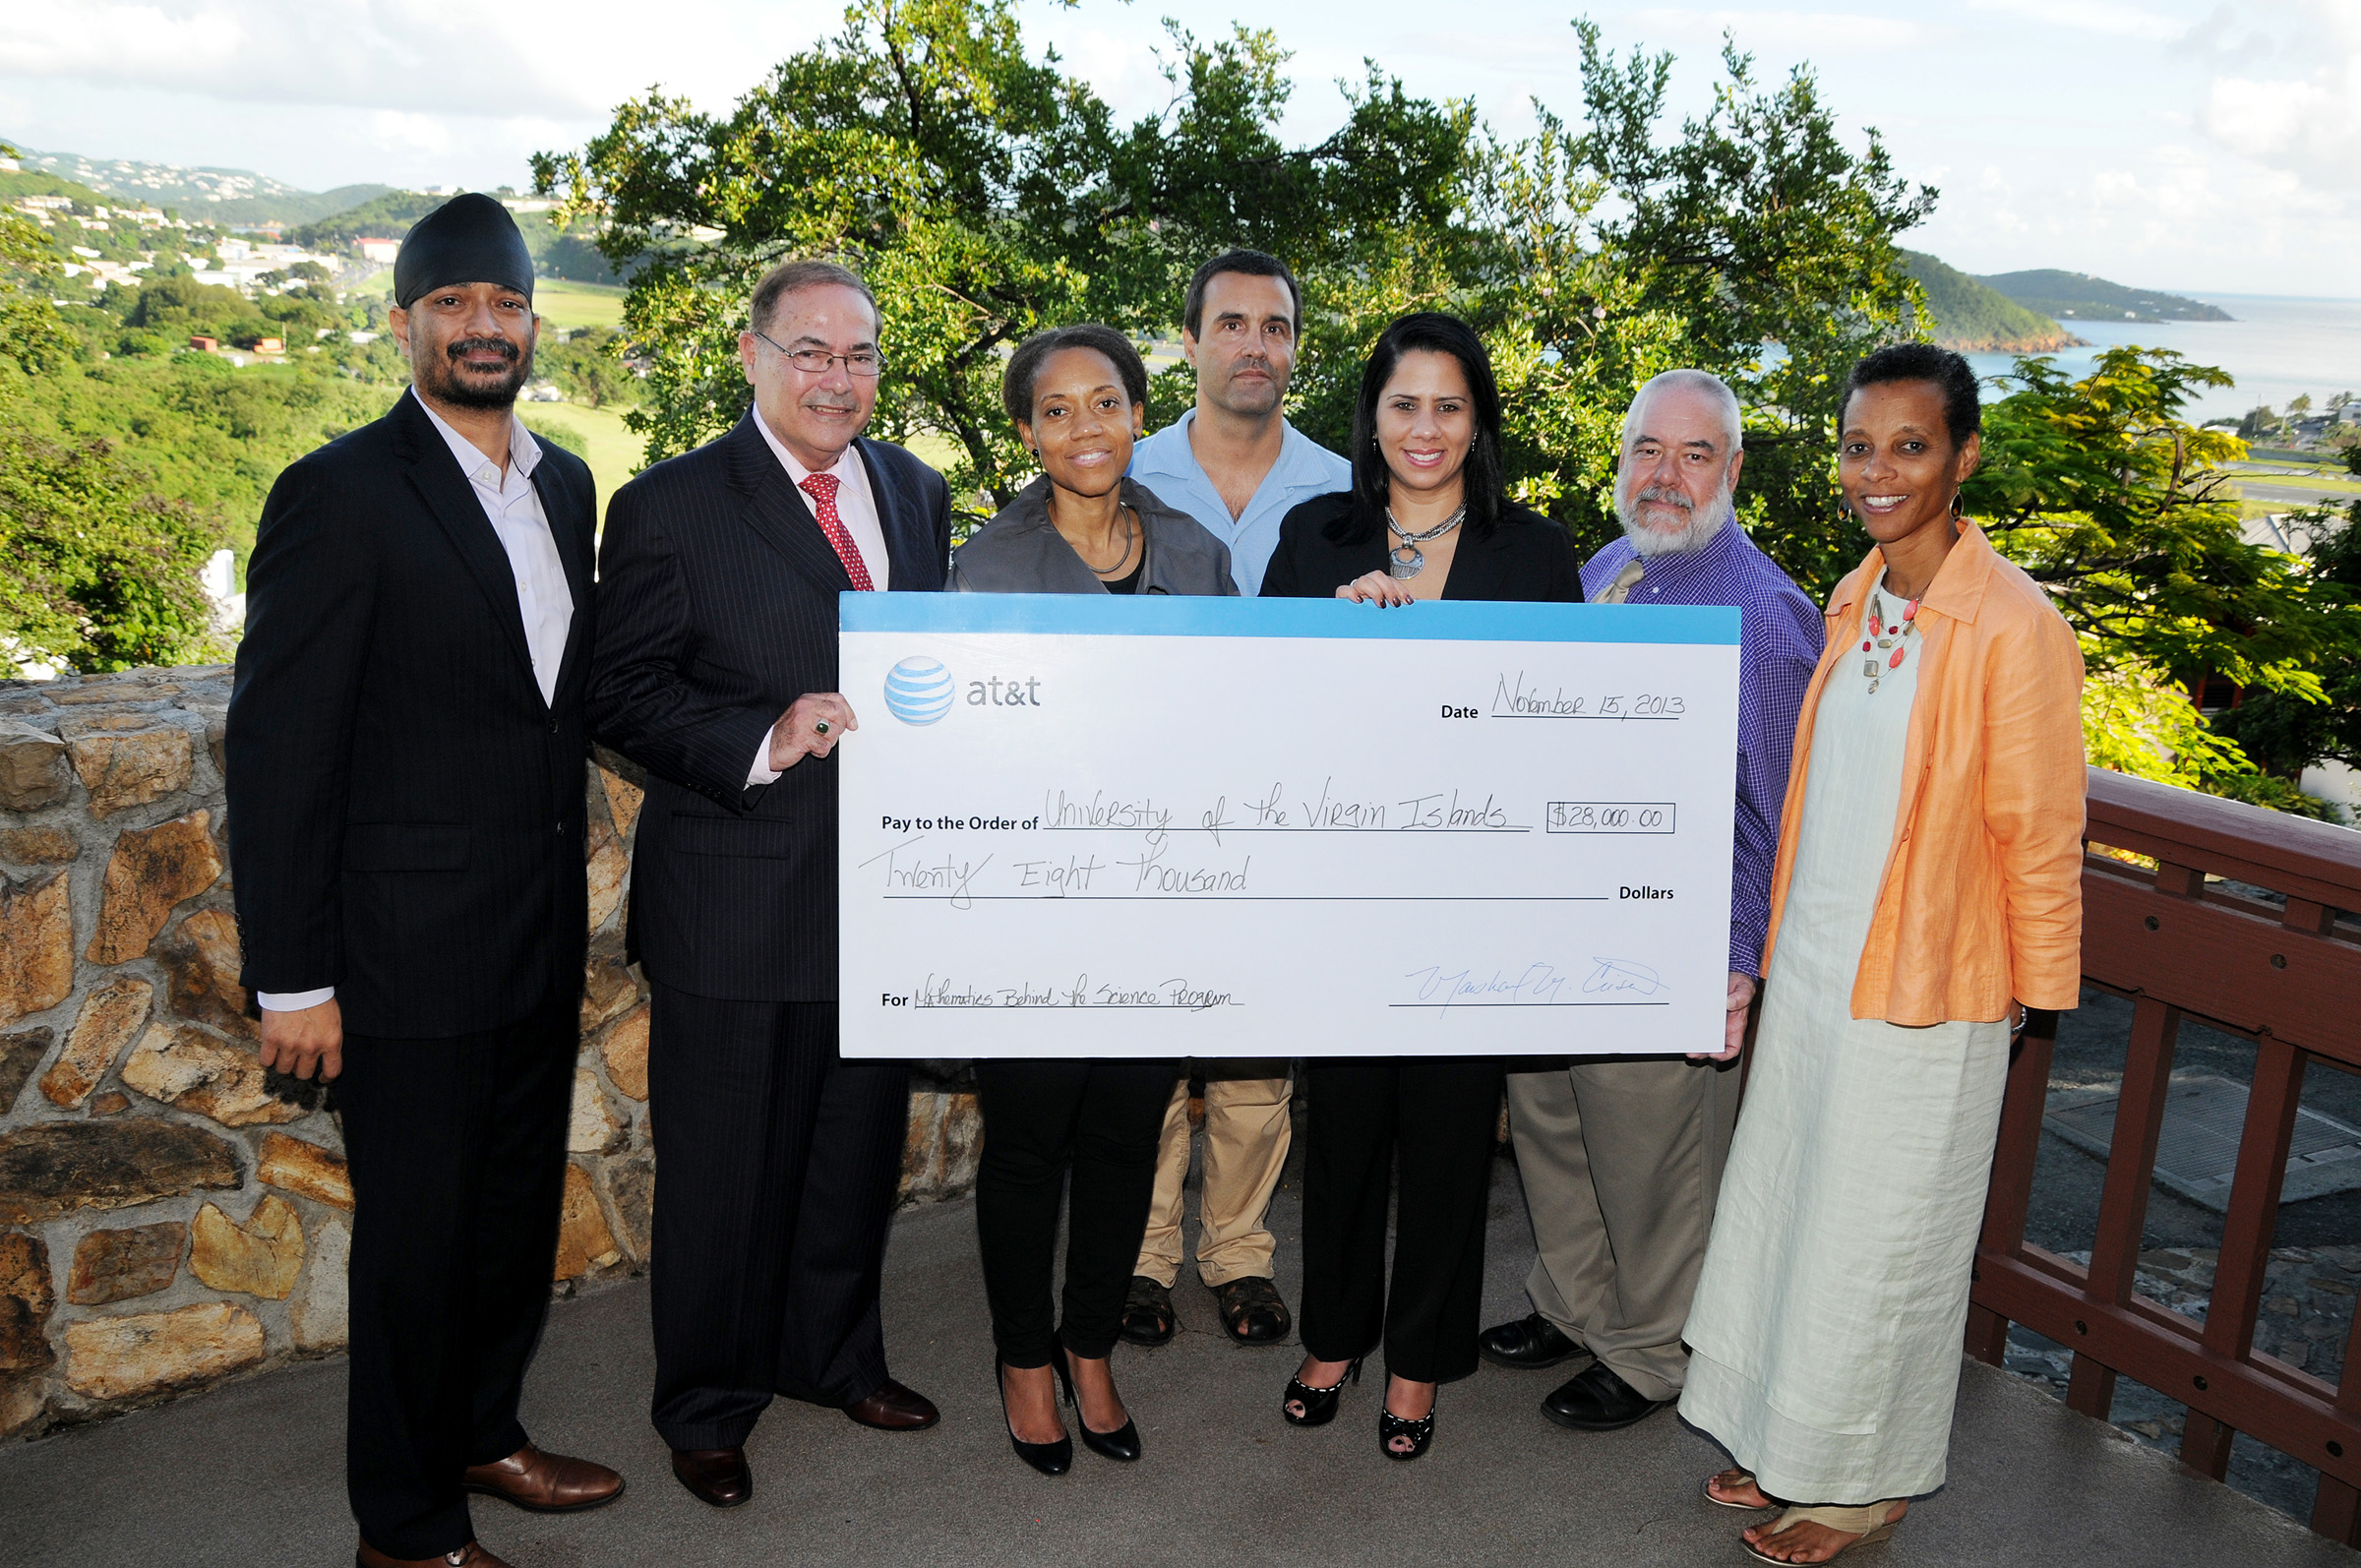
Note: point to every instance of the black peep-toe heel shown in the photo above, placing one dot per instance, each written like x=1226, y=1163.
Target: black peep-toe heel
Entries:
x=1421, y=1432
x=1319, y=1404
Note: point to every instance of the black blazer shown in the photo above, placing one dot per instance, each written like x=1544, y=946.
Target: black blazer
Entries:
x=405, y=812
x=718, y=610
x=1526, y=556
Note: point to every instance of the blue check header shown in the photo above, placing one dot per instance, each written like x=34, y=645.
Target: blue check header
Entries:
x=1162, y=616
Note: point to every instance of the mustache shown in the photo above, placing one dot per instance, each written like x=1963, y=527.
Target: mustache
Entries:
x=1664, y=496
x=498, y=345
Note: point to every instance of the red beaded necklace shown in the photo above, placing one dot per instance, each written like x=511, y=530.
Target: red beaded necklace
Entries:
x=1884, y=635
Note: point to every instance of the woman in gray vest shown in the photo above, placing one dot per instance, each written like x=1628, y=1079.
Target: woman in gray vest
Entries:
x=1078, y=397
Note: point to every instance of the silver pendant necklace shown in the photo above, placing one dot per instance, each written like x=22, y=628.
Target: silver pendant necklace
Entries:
x=1398, y=564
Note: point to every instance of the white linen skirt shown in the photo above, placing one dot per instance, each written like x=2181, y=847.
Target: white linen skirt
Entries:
x=1826, y=1330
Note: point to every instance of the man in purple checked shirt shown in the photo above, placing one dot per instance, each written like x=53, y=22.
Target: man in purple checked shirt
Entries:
x=1621, y=1156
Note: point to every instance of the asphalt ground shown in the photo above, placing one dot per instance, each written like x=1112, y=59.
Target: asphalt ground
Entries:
x=252, y=1473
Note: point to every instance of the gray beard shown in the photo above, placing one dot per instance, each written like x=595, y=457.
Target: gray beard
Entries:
x=1704, y=522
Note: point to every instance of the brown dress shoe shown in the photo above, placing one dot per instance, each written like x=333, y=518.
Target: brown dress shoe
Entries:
x=470, y=1556
x=716, y=1476
x=546, y=1483
x=894, y=1409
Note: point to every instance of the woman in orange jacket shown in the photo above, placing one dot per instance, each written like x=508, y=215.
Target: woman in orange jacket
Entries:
x=1927, y=890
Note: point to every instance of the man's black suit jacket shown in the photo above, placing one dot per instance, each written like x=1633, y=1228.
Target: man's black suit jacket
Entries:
x=717, y=610
x=405, y=812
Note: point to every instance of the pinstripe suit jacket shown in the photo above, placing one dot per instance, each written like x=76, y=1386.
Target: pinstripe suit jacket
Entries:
x=717, y=610
x=405, y=812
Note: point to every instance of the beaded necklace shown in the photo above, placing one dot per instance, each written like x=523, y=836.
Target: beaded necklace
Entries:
x=1884, y=635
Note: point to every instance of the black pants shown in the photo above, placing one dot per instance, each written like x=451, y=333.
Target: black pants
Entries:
x=776, y=1165
x=1103, y=1120
x=1439, y=1115
x=457, y=1153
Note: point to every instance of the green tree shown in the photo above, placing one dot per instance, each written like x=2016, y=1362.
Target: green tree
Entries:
x=2125, y=511
x=984, y=195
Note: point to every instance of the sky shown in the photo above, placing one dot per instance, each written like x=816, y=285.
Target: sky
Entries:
x=2165, y=144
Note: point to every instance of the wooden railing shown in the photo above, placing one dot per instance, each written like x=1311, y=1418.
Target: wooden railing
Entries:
x=2289, y=980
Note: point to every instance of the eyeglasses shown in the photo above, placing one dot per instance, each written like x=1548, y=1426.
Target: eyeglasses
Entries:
x=862, y=362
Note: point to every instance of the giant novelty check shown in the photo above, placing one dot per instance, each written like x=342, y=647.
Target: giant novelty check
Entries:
x=1088, y=825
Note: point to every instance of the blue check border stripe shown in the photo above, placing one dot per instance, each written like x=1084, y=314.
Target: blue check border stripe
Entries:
x=1158, y=615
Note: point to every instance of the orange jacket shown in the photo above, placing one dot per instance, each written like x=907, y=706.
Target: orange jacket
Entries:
x=1982, y=901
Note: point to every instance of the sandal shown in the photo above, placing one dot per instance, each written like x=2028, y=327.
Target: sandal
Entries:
x=1867, y=1525
x=1252, y=1312
x=1730, y=1480
x=1319, y=1404
x=1148, y=1315
x=1421, y=1432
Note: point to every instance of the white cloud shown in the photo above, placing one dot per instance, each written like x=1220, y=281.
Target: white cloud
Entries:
x=562, y=59
x=2293, y=97
x=2106, y=18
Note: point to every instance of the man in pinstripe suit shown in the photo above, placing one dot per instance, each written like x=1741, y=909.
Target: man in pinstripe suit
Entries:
x=717, y=669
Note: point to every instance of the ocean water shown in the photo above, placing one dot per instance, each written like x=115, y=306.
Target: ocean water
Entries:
x=2277, y=347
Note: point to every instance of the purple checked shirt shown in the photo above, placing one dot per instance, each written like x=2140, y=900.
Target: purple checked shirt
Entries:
x=1779, y=636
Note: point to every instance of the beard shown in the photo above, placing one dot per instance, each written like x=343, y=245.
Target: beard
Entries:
x=441, y=377
x=1705, y=519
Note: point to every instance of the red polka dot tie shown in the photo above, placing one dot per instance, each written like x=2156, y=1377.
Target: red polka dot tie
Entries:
x=822, y=488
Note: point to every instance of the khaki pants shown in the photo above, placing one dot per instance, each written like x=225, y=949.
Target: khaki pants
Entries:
x=1246, y=1135
x=1621, y=1162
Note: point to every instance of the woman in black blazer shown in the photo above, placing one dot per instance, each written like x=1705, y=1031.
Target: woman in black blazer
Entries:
x=1428, y=518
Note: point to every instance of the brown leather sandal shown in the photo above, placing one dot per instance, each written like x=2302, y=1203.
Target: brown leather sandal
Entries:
x=1252, y=1312
x=1148, y=1315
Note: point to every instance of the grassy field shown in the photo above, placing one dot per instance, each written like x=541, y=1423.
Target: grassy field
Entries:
x=614, y=452
x=570, y=305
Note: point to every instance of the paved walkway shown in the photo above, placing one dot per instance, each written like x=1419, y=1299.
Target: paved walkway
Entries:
x=251, y=1476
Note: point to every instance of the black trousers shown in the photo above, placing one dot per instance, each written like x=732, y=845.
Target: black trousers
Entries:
x=457, y=1154
x=1102, y=1121
x=778, y=1164
x=1437, y=1116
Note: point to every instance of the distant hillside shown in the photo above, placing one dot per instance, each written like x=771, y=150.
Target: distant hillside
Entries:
x=557, y=252
x=1973, y=318
x=2072, y=295
x=228, y=197
x=13, y=186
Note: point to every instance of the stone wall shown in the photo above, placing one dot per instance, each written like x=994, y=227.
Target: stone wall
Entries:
x=171, y=1213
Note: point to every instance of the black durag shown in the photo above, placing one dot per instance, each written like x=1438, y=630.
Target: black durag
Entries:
x=468, y=239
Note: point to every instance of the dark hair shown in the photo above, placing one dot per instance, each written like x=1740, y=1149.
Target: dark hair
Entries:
x=1253, y=264
x=1485, y=474
x=1024, y=365
x=1945, y=371
x=789, y=276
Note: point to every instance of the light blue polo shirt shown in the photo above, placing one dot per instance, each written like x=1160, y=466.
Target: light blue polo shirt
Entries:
x=1164, y=464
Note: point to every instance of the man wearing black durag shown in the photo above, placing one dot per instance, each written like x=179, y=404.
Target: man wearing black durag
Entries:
x=406, y=756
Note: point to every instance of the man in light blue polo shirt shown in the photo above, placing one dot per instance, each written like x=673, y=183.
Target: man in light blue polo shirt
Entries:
x=1236, y=465
x=1233, y=463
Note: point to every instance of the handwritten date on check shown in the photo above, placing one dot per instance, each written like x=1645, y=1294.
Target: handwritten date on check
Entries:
x=1092, y=825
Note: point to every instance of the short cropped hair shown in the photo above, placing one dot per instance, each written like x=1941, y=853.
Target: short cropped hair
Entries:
x=790, y=278
x=1733, y=425
x=1949, y=374
x=1253, y=263
x=1023, y=374
x=1486, y=475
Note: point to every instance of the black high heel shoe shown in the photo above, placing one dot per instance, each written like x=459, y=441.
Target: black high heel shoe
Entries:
x=1051, y=1459
x=1319, y=1404
x=1421, y=1432
x=1122, y=1444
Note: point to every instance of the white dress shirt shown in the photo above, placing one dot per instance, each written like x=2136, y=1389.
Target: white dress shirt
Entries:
x=857, y=509
x=543, y=597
